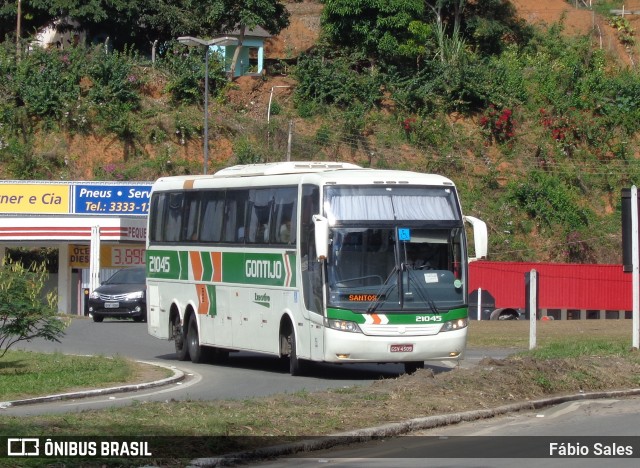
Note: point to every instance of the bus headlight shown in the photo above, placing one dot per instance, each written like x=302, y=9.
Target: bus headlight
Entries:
x=454, y=325
x=342, y=325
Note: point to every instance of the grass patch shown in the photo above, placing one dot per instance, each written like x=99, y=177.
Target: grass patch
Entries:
x=515, y=334
x=26, y=374
x=584, y=347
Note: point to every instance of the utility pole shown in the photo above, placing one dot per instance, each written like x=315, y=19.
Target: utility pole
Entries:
x=289, y=140
x=18, y=32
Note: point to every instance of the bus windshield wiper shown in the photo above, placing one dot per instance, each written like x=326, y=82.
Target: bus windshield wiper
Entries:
x=382, y=292
x=424, y=294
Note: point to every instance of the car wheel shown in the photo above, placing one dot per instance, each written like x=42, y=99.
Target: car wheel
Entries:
x=193, y=342
x=97, y=318
x=182, y=352
x=504, y=314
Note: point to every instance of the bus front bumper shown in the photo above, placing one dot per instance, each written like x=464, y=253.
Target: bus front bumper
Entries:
x=356, y=347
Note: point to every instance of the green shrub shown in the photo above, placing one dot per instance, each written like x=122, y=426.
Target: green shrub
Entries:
x=324, y=135
x=185, y=67
x=48, y=82
x=547, y=199
x=113, y=78
x=247, y=152
x=341, y=80
x=24, y=313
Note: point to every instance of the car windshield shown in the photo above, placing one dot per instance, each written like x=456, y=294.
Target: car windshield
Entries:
x=128, y=276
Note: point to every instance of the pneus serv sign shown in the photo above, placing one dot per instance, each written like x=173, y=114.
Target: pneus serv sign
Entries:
x=263, y=269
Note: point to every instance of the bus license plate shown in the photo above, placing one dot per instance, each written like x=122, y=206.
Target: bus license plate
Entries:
x=111, y=305
x=401, y=348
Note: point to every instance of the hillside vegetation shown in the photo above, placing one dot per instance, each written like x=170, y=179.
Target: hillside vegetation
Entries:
x=538, y=129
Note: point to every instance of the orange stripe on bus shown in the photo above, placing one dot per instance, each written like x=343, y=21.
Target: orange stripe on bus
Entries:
x=196, y=265
x=216, y=261
x=376, y=319
x=203, y=299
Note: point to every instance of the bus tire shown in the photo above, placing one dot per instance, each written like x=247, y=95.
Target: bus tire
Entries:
x=412, y=367
x=296, y=365
x=193, y=342
x=182, y=352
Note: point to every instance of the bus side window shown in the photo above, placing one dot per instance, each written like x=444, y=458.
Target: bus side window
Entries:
x=192, y=218
x=212, y=217
x=156, y=224
x=235, y=214
x=259, y=220
x=173, y=223
x=284, y=213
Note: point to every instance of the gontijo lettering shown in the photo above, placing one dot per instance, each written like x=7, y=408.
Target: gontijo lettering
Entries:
x=263, y=269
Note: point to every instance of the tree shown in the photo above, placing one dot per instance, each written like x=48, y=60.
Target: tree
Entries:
x=394, y=29
x=244, y=15
x=379, y=28
x=140, y=22
x=24, y=315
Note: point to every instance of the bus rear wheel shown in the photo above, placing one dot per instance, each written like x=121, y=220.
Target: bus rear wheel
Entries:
x=182, y=352
x=412, y=367
x=193, y=342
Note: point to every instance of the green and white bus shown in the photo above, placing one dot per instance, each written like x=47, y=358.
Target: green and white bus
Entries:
x=314, y=261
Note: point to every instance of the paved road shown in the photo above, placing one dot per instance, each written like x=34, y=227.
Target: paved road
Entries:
x=245, y=375
x=588, y=423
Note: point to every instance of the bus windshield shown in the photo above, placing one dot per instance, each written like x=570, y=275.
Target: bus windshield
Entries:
x=398, y=249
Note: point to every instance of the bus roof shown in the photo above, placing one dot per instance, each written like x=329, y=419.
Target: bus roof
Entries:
x=294, y=172
x=276, y=168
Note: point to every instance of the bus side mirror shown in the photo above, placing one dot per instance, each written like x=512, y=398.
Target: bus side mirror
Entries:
x=480, y=237
x=322, y=236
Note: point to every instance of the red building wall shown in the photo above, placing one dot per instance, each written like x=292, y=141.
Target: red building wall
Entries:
x=561, y=285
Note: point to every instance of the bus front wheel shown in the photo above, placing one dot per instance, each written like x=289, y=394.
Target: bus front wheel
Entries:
x=193, y=342
x=182, y=352
x=296, y=365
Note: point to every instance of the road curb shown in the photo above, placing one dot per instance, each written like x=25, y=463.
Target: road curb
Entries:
x=177, y=376
x=400, y=428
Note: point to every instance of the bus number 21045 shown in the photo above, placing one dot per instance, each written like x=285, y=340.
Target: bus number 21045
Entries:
x=159, y=264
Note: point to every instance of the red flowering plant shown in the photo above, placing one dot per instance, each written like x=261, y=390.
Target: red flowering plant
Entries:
x=409, y=126
x=561, y=129
x=498, y=125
